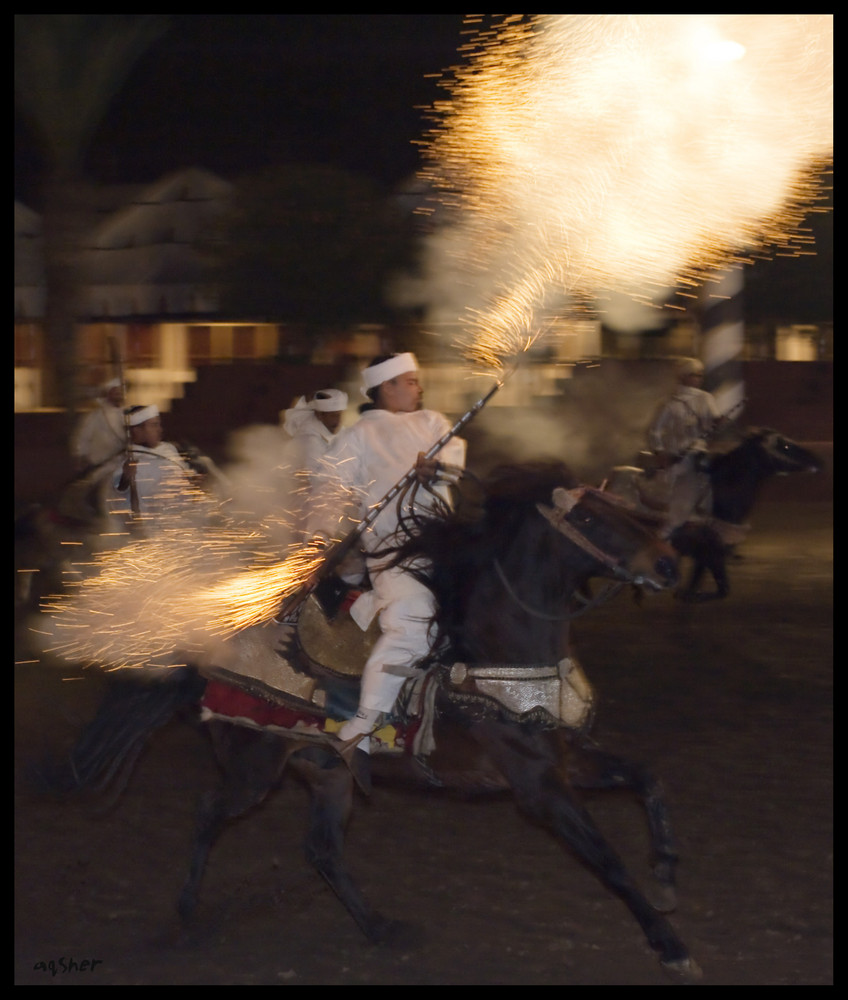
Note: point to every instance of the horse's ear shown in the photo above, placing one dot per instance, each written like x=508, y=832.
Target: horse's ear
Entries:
x=567, y=499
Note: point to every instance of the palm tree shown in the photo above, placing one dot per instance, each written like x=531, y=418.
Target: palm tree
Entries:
x=68, y=69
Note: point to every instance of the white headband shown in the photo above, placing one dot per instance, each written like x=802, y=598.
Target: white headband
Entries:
x=690, y=366
x=113, y=383
x=329, y=401
x=139, y=416
x=378, y=374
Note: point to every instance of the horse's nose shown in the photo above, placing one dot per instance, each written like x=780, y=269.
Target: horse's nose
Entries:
x=666, y=567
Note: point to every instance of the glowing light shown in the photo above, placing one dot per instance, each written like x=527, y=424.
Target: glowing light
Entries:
x=580, y=156
x=204, y=572
x=577, y=156
x=725, y=51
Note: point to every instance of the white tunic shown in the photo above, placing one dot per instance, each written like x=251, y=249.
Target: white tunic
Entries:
x=310, y=439
x=367, y=460
x=100, y=434
x=364, y=463
x=684, y=422
x=161, y=479
x=681, y=429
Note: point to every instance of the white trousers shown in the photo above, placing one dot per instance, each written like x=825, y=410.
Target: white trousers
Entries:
x=405, y=607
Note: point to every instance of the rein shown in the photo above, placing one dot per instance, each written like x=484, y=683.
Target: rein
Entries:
x=557, y=516
x=610, y=591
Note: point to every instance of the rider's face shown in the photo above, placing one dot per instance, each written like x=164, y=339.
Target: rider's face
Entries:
x=331, y=419
x=148, y=434
x=402, y=394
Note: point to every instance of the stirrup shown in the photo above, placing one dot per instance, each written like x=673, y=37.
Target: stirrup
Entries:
x=346, y=749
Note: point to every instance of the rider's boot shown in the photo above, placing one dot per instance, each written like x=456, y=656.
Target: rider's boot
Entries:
x=353, y=745
x=363, y=723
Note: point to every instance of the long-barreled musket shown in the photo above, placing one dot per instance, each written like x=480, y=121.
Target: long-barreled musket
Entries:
x=118, y=367
x=337, y=551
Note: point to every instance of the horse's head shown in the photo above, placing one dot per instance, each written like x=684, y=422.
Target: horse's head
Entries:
x=622, y=544
x=781, y=454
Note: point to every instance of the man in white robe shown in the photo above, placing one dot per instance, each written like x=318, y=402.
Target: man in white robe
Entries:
x=362, y=465
x=313, y=425
x=101, y=434
x=678, y=437
x=153, y=479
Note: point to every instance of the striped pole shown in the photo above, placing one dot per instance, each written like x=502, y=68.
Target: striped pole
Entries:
x=723, y=340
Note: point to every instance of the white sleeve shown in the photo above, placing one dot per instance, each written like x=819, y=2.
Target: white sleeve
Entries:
x=332, y=489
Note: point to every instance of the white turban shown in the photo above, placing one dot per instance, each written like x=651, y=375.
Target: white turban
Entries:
x=138, y=414
x=378, y=374
x=689, y=366
x=329, y=401
x=325, y=401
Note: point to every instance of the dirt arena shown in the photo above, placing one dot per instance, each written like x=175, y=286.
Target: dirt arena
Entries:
x=731, y=703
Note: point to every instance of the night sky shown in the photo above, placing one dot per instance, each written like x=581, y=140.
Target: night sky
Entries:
x=234, y=93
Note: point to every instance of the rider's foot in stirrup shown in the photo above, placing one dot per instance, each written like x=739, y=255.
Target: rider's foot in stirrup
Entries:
x=363, y=723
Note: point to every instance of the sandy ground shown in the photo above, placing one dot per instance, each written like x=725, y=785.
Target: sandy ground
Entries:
x=730, y=702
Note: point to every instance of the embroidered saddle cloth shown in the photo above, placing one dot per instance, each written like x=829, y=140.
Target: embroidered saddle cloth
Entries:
x=302, y=678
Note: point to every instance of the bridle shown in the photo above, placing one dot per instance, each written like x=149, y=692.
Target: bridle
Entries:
x=596, y=601
x=565, y=502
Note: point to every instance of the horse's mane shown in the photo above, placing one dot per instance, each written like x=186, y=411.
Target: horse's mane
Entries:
x=451, y=552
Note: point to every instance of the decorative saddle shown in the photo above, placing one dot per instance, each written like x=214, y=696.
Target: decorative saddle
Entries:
x=302, y=678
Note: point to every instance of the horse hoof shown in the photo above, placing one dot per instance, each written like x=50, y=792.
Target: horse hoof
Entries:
x=396, y=934
x=683, y=970
x=663, y=898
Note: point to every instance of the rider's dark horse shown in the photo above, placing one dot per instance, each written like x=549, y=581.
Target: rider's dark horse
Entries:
x=737, y=470
x=505, y=580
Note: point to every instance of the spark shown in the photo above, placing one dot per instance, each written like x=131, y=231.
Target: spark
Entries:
x=201, y=574
x=576, y=156
x=254, y=597
x=579, y=155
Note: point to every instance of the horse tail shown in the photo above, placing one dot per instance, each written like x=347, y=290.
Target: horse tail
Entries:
x=111, y=743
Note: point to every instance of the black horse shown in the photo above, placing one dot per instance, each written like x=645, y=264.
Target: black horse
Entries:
x=738, y=468
x=506, y=579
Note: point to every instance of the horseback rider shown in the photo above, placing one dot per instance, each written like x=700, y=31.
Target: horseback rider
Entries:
x=152, y=474
x=677, y=438
x=100, y=434
x=313, y=424
x=364, y=462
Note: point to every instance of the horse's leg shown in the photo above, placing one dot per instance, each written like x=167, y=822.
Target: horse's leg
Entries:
x=330, y=784
x=712, y=558
x=707, y=553
x=593, y=769
x=252, y=763
x=719, y=571
x=529, y=761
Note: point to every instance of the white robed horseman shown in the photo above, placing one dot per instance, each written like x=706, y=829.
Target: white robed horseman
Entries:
x=312, y=425
x=152, y=479
x=101, y=434
x=364, y=463
x=678, y=437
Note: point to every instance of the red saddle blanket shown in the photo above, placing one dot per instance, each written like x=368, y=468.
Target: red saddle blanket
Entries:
x=224, y=701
